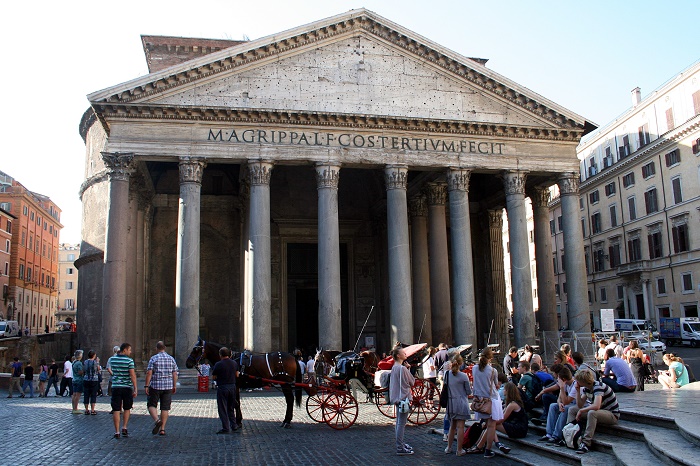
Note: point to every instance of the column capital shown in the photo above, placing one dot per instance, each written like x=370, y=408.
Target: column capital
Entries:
x=327, y=175
x=496, y=218
x=539, y=196
x=458, y=179
x=418, y=206
x=396, y=177
x=514, y=181
x=191, y=170
x=436, y=192
x=258, y=173
x=568, y=183
x=119, y=165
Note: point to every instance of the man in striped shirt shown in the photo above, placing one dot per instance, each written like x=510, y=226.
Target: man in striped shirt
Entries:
x=123, y=372
x=603, y=408
x=161, y=385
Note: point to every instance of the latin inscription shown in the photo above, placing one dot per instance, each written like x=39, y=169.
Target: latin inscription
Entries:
x=259, y=136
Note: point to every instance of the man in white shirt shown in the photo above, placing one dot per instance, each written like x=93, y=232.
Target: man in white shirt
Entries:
x=67, y=380
x=310, y=370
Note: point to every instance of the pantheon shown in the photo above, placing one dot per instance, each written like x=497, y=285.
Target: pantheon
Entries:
x=335, y=184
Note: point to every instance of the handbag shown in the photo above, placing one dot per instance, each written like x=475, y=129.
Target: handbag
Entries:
x=481, y=404
x=43, y=377
x=444, y=395
x=404, y=406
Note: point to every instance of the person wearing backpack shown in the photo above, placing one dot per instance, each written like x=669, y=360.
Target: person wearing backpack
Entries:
x=90, y=381
x=78, y=378
x=529, y=385
x=602, y=410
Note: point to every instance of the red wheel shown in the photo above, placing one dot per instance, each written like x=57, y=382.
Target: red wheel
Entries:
x=315, y=404
x=381, y=399
x=340, y=410
x=426, y=402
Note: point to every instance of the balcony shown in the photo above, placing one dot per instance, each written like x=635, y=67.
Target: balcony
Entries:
x=632, y=268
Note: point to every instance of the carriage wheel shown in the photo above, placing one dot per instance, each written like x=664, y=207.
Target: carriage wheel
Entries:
x=315, y=405
x=381, y=399
x=426, y=402
x=340, y=410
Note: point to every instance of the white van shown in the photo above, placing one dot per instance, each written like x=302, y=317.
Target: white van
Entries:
x=9, y=328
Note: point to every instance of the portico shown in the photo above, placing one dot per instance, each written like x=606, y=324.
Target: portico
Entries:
x=389, y=182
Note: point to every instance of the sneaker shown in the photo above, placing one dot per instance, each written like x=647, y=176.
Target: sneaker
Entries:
x=502, y=447
x=582, y=449
x=560, y=443
x=125, y=433
x=545, y=438
x=462, y=452
x=447, y=450
x=406, y=446
x=489, y=454
x=404, y=452
x=77, y=411
x=444, y=436
x=116, y=435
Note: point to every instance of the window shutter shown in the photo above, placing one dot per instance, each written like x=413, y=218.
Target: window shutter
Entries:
x=674, y=232
x=669, y=119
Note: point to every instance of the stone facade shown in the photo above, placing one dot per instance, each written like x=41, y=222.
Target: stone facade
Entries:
x=312, y=144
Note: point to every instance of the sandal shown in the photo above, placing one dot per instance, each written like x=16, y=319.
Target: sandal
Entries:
x=476, y=450
x=94, y=413
x=162, y=432
x=156, y=427
x=87, y=413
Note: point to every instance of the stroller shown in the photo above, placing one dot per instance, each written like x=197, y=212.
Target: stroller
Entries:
x=650, y=374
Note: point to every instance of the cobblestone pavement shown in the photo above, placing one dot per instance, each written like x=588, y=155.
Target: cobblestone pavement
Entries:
x=43, y=431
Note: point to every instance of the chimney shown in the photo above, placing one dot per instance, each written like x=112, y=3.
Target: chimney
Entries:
x=636, y=96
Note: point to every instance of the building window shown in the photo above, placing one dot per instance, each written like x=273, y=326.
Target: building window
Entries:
x=532, y=236
x=620, y=292
x=632, y=207
x=71, y=257
x=29, y=274
x=580, y=203
x=648, y=170
x=556, y=289
x=560, y=224
x=7, y=268
x=598, y=260
x=661, y=286
x=680, y=238
x=673, y=158
x=687, y=281
x=664, y=311
x=669, y=120
x=634, y=248
x=593, y=168
x=7, y=245
x=589, y=297
x=610, y=189
x=564, y=286
x=614, y=255
x=69, y=271
x=628, y=180
x=9, y=226
x=69, y=285
x=608, y=160
x=595, y=223
x=677, y=191
x=21, y=271
x=563, y=266
x=31, y=216
x=554, y=263
x=603, y=295
x=625, y=147
x=583, y=226
x=650, y=201
x=25, y=210
x=552, y=227
x=613, y=216
x=594, y=197
x=643, y=135
x=655, y=246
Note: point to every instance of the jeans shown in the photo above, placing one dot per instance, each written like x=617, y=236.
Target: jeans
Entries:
x=401, y=419
x=52, y=381
x=66, y=382
x=547, y=400
x=612, y=383
x=28, y=383
x=602, y=416
x=227, y=406
x=556, y=420
x=446, y=424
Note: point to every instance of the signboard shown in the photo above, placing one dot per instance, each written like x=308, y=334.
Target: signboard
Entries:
x=607, y=320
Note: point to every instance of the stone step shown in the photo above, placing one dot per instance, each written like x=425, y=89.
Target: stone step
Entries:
x=532, y=450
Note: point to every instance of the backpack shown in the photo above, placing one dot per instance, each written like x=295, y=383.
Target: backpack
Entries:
x=691, y=376
x=572, y=433
x=472, y=434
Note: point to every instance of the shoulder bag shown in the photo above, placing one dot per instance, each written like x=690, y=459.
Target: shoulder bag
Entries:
x=481, y=404
x=444, y=394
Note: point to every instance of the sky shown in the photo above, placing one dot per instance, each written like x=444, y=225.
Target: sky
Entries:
x=585, y=56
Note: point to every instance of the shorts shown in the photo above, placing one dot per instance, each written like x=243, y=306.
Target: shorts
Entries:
x=77, y=386
x=122, y=397
x=165, y=397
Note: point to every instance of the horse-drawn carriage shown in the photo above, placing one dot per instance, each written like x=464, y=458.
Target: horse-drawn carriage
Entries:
x=335, y=402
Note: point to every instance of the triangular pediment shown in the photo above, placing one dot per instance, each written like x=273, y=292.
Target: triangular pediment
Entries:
x=353, y=64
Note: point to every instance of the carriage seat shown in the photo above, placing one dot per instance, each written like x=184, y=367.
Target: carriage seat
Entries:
x=349, y=364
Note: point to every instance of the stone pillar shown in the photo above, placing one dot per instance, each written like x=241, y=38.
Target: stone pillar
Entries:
x=521, y=280
x=131, y=276
x=400, y=306
x=543, y=256
x=645, y=296
x=330, y=320
x=119, y=169
x=498, y=276
x=463, y=299
x=577, y=285
x=187, y=266
x=247, y=265
x=259, y=178
x=140, y=272
x=422, y=319
x=439, y=264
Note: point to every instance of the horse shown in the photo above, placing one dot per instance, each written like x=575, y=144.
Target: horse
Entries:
x=276, y=366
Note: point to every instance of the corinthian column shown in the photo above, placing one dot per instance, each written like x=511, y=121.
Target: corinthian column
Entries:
x=523, y=314
x=576, y=281
x=329, y=312
x=259, y=178
x=119, y=169
x=422, y=320
x=543, y=256
x=439, y=264
x=498, y=277
x=187, y=268
x=400, y=306
x=463, y=304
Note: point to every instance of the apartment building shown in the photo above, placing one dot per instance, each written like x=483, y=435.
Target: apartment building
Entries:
x=6, y=219
x=67, y=281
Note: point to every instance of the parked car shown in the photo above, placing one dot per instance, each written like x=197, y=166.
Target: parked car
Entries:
x=9, y=328
x=656, y=345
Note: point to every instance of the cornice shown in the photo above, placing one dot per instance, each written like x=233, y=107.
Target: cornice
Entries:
x=339, y=120
x=87, y=258
x=273, y=46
